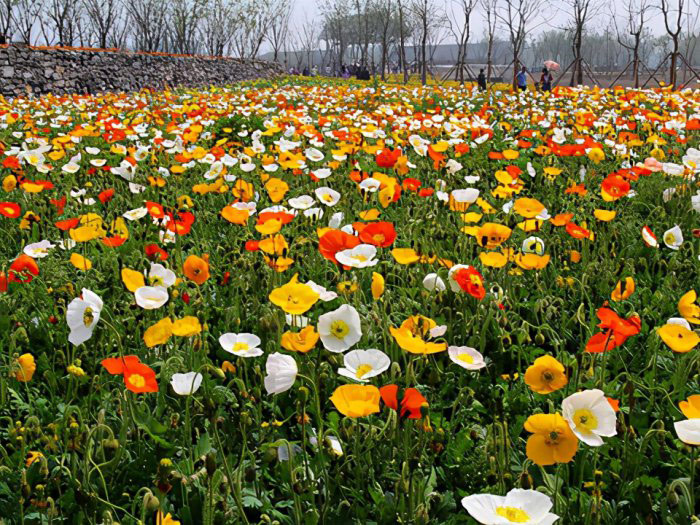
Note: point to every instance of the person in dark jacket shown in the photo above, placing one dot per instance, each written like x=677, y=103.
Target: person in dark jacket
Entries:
x=546, y=80
x=481, y=80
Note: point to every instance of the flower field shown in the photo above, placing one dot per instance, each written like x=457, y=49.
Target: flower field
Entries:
x=303, y=302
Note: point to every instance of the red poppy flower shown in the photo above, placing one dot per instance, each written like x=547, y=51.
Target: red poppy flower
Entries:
x=615, y=332
x=380, y=234
x=615, y=186
x=284, y=218
x=180, y=224
x=11, y=162
x=113, y=241
x=3, y=282
x=471, y=281
x=10, y=209
x=334, y=241
x=155, y=252
x=59, y=204
x=23, y=269
x=387, y=158
x=116, y=365
x=106, y=196
x=426, y=192
x=577, y=232
x=67, y=224
x=252, y=246
x=155, y=210
x=410, y=184
x=411, y=401
x=140, y=378
x=438, y=158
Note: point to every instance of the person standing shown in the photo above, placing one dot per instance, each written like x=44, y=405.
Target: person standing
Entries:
x=546, y=80
x=481, y=80
x=521, y=79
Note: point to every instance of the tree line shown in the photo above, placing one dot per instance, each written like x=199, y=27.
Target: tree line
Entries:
x=380, y=35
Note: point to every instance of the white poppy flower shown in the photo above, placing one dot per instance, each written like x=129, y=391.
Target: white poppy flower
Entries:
x=159, y=275
x=370, y=185
x=98, y=163
x=302, y=202
x=533, y=245
x=38, y=250
x=314, y=155
x=186, y=384
x=590, y=416
x=340, y=329
x=695, y=202
x=136, y=188
x=322, y=173
x=241, y=345
x=465, y=196
x=135, y=214
x=673, y=238
x=151, y=297
x=313, y=213
x=432, y=282
x=336, y=220
x=437, y=331
x=324, y=294
x=92, y=151
x=466, y=357
x=361, y=256
x=327, y=196
x=688, y=431
x=673, y=169
x=527, y=507
x=82, y=316
x=452, y=166
x=361, y=365
x=281, y=372
x=679, y=321
x=296, y=321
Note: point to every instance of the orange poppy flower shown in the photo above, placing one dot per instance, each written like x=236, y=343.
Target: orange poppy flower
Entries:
x=116, y=365
x=140, y=378
x=387, y=158
x=196, y=269
x=380, y=234
x=615, y=332
x=10, y=210
x=614, y=187
x=562, y=219
x=577, y=232
x=411, y=401
x=334, y=241
x=23, y=269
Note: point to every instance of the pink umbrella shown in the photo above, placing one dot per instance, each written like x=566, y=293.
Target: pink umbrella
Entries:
x=551, y=64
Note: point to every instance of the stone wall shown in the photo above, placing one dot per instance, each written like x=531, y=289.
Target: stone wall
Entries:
x=28, y=70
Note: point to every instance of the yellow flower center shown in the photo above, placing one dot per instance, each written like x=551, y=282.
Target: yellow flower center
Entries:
x=359, y=258
x=88, y=318
x=156, y=280
x=327, y=197
x=585, y=420
x=137, y=380
x=339, y=329
x=513, y=514
x=240, y=347
x=362, y=371
x=669, y=238
x=466, y=358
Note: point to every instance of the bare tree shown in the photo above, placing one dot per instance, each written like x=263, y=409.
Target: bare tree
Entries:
x=490, y=8
x=427, y=21
x=673, y=29
x=519, y=18
x=253, y=19
x=631, y=36
x=278, y=31
x=185, y=16
x=103, y=16
x=580, y=11
x=6, y=7
x=402, y=38
x=385, y=10
x=148, y=20
x=459, y=13
x=25, y=16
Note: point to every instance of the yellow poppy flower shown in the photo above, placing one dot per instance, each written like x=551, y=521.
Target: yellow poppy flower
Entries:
x=187, y=326
x=552, y=440
x=80, y=262
x=302, y=341
x=294, y=298
x=688, y=309
x=377, y=285
x=678, y=337
x=356, y=400
x=158, y=333
x=545, y=375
